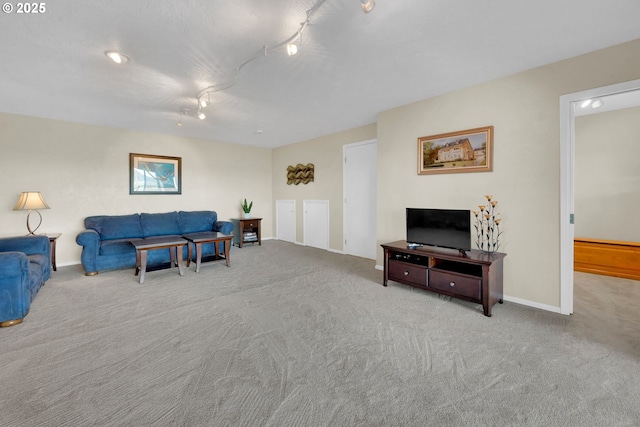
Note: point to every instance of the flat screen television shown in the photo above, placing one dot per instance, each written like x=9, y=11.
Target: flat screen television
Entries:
x=445, y=228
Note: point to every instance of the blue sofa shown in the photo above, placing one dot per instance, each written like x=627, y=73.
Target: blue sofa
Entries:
x=106, y=240
x=25, y=264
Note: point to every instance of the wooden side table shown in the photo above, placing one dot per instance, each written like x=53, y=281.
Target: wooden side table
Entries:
x=52, y=242
x=249, y=231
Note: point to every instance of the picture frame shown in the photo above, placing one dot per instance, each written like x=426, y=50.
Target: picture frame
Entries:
x=468, y=150
x=152, y=174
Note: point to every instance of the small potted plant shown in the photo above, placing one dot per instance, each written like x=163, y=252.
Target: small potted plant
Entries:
x=246, y=208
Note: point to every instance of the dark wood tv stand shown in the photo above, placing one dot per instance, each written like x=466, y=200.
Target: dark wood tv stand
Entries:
x=473, y=276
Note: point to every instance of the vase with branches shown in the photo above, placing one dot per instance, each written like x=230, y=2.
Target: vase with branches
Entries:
x=487, y=226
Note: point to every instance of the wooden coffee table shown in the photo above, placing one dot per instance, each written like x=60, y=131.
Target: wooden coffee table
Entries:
x=175, y=245
x=198, y=239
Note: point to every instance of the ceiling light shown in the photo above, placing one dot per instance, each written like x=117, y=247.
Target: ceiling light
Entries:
x=367, y=5
x=183, y=113
x=116, y=57
x=292, y=49
x=201, y=115
x=204, y=100
x=597, y=103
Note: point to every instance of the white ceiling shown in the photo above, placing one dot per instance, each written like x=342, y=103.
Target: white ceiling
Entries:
x=350, y=66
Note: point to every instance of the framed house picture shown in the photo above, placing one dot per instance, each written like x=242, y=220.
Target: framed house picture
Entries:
x=462, y=151
x=151, y=174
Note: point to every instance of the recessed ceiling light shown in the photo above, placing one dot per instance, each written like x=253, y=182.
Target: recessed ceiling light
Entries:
x=116, y=57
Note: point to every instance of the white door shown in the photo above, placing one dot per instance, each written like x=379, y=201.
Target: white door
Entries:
x=286, y=220
x=315, y=220
x=360, y=188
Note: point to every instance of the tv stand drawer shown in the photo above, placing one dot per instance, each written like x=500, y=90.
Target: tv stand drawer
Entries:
x=407, y=273
x=456, y=284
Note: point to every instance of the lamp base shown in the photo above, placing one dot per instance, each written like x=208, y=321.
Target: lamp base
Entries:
x=33, y=231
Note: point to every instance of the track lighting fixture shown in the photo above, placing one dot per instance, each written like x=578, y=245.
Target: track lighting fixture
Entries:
x=291, y=44
x=183, y=113
x=204, y=100
x=367, y=5
x=292, y=49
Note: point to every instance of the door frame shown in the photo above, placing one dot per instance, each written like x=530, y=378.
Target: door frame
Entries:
x=344, y=186
x=567, y=176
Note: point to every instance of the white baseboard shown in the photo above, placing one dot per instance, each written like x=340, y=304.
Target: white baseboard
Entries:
x=67, y=264
x=335, y=251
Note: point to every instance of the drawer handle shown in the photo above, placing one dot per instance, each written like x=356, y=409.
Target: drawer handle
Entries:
x=406, y=273
x=452, y=284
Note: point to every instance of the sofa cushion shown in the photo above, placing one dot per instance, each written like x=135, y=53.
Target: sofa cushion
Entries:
x=115, y=227
x=159, y=224
x=196, y=221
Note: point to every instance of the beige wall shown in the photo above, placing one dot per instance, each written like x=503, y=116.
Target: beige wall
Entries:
x=83, y=170
x=524, y=109
x=607, y=175
x=326, y=155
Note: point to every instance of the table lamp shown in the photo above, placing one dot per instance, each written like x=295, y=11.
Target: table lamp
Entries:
x=31, y=200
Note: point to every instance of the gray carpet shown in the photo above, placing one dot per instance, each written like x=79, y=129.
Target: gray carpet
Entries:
x=295, y=336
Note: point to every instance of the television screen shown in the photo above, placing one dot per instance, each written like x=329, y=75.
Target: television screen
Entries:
x=447, y=228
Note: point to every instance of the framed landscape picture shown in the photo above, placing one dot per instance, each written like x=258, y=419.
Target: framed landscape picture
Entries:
x=150, y=174
x=463, y=151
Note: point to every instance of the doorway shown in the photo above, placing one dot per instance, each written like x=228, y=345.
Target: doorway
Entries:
x=567, y=175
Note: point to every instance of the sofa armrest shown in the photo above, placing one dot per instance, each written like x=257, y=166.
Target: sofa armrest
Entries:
x=90, y=242
x=29, y=245
x=224, y=227
x=13, y=264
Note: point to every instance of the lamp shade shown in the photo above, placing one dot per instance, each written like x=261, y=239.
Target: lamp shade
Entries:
x=31, y=200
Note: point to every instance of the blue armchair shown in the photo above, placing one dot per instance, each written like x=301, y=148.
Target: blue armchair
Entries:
x=25, y=264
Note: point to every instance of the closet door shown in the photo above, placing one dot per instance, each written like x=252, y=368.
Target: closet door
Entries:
x=286, y=220
x=316, y=223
